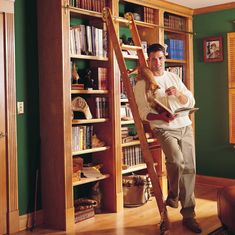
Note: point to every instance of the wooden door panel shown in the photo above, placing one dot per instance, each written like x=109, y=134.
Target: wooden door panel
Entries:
x=232, y=116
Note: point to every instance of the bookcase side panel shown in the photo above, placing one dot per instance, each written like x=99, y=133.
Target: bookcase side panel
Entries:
x=55, y=154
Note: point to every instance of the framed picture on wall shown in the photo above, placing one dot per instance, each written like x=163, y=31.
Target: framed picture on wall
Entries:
x=213, y=49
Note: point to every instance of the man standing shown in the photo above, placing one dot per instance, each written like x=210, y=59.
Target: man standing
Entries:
x=174, y=132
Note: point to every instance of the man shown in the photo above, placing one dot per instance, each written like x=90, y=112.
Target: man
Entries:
x=174, y=132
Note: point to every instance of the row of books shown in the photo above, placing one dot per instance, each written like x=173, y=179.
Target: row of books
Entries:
x=177, y=70
x=140, y=13
x=92, y=5
x=174, y=22
x=124, y=131
x=132, y=155
x=175, y=49
x=149, y=15
x=88, y=40
x=125, y=135
x=101, y=107
x=126, y=113
x=122, y=89
x=100, y=75
x=81, y=137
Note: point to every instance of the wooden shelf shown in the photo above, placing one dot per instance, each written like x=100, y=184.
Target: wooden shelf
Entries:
x=89, y=180
x=127, y=122
x=75, y=11
x=134, y=168
x=89, y=57
x=124, y=100
x=176, y=61
x=170, y=30
x=137, y=142
x=138, y=167
x=131, y=57
x=124, y=22
x=89, y=92
x=92, y=150
x=89, y=121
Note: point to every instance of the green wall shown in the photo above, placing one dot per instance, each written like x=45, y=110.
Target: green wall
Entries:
x=215, y=156
x=28, y=138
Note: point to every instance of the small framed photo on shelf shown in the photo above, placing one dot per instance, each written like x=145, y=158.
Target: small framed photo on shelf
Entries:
x=213, y=49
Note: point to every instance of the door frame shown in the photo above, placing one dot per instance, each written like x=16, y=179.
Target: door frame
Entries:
x=7, y=8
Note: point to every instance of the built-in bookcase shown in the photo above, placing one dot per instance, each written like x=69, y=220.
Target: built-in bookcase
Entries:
x=71, y=113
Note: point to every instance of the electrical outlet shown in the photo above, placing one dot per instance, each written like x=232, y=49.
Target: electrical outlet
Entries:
x=20, y=107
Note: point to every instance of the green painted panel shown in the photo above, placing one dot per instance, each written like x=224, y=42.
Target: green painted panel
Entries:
x=215, y=156
x=28, y=138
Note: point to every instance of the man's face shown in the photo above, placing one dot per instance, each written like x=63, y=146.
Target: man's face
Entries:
x=156, y=62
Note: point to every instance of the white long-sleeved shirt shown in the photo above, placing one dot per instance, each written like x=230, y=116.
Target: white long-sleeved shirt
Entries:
x=165, y=81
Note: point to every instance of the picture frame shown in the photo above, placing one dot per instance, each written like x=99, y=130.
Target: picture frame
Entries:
x=213, y=49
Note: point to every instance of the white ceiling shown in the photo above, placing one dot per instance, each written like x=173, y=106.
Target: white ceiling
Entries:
x=199, y=3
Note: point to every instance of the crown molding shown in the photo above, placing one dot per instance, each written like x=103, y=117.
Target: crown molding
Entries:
x=164, y=5
x=219, y=7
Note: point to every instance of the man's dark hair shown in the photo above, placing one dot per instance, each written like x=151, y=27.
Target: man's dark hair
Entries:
x=155, y=47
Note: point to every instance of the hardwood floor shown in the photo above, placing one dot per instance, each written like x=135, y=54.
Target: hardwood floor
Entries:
x=144, y=220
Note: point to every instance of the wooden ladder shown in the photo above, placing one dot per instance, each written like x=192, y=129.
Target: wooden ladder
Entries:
x=147, y=155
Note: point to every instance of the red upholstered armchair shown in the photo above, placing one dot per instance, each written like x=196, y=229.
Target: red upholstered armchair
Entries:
x=226, y=206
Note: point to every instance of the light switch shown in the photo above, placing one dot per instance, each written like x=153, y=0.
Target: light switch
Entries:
x=20, y=107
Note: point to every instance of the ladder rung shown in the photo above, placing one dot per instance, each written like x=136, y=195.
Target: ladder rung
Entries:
x=122, y=20
x=130, y=47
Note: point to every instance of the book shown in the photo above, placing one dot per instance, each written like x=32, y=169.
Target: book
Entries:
x=84, y=214
x=91, y=172
x=160, y=107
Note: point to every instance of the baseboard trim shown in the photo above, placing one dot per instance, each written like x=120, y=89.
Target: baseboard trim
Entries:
x=26, y=221
x=217, y=181
x=13, y=221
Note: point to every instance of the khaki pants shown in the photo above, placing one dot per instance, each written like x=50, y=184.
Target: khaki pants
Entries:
x=179, y=149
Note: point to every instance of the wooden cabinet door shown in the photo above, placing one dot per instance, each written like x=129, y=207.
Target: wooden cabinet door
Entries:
x=3, y=172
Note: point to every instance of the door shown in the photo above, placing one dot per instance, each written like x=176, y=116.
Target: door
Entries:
x=3, y=170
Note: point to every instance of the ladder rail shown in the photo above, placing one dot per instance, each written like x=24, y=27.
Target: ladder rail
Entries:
x=131, y=98
x=136, y=39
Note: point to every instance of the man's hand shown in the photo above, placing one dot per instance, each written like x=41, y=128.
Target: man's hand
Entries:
x=166, y=117
x=173, y=91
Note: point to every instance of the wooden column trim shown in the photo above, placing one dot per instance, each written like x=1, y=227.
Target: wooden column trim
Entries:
x=11, y=146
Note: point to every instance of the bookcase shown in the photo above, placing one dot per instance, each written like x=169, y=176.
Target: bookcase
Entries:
x=71, y=113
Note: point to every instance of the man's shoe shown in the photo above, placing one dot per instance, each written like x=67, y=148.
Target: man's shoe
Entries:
x=172, y=202
x=192, y=225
